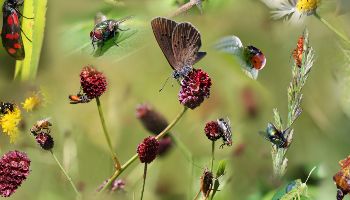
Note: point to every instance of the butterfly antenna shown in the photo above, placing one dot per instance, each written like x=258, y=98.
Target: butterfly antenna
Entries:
x=164, y=84
x=312, y=170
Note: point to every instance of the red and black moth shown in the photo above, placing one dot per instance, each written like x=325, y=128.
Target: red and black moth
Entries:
x=11, y=29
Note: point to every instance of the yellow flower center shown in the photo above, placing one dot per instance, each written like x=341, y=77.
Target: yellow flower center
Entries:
x=307, y=6
x=9, y=123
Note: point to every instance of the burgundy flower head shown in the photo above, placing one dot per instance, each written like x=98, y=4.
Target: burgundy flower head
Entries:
x=93, y=82
x=212, y=130
x=152, y=120
x=148, y=149
x=194, y=88
x=165, y=145
x=44, y=140
x=14, y=169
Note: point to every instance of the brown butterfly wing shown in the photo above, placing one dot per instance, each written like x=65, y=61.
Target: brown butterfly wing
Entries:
x=186, y=41
x=163, y=29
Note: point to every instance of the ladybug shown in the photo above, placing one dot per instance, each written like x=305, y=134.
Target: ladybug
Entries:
x=79, y=98
x=255, y=57
x=11, y=29
x=6, y=107
x=225, y=129
x=105, y=30
x=298, y=52
x=275, y=136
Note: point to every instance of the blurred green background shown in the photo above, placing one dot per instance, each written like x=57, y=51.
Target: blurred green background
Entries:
x=137, y=69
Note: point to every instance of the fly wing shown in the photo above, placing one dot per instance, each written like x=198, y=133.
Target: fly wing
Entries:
x=186, y=41
x=163, y=29
x=11, y=34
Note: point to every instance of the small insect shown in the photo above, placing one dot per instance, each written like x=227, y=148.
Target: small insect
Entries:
x=5, y=107
x=79, y=98
x=41, y=125
x=105, y=29
x=294, y=190
x=342, y=178
x=179, y=43
x=275, y=136
x=225, y=129
x=11, y=29
x=252, y=59
x=298, y=52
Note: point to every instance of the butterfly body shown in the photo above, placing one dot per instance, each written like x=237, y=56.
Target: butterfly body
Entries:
x=11, y=29
x=179, y=43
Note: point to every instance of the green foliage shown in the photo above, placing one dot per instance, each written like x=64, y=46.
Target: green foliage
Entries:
x=34, y=29
x=219, y=172
x=77, y=40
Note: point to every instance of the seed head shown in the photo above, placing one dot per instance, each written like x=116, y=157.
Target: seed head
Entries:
x=147, y=150
x=93, y=82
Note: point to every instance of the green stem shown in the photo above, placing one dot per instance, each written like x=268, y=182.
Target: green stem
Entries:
x=144, y=181
x=114, y=156
x=332, y=28
x=132, y=159
x=66, y=174
x=212, y=155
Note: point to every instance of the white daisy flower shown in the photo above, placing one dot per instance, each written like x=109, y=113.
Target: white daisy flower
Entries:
x=292, y=10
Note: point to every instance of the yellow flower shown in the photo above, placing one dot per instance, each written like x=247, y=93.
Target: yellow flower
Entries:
x=294, y=10
x=32, y=102
x=9, y=123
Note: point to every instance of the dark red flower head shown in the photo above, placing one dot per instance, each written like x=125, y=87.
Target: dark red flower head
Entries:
x=212, y=130
x=152, y=120
x=194, y=88
x=44, y=140
x=342, y=178
x=148, y=149
x=14, y=169
x=93, y=82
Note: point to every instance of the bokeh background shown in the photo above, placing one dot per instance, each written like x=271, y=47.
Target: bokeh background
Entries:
x=137, y=69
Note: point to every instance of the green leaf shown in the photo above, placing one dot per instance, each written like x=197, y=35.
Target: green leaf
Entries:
x=77, y=40
x=221, y=168
x=34, y=28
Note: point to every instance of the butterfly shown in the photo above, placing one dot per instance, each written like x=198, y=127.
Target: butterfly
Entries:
x=179, y=43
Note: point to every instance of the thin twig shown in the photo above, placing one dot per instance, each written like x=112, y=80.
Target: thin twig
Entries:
x=144, y=180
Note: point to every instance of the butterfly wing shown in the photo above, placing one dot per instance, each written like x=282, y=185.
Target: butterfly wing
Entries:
x=186, y=41
x=11, y=33
x=163, y=29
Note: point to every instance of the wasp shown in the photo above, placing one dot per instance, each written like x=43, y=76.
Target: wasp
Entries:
x=105, y=29
x=11, y=29
x=41, y=125
x=225, y=129
x=79, y=98
x=6, y=107
x=275, y=136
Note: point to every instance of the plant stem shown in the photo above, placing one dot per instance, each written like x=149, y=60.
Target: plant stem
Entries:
x=144, y=180
x=332, y=28
x=132, y=159
x=212, y=155
x=114, y=156
x=185, y=7
x=66, y=174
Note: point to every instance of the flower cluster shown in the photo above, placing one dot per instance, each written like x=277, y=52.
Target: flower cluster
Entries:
x=154, y=122
x=33, y=102
x=93, y=82
x=9, y=121
x=14, y=169
x=147, y=150
x=195, y=87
